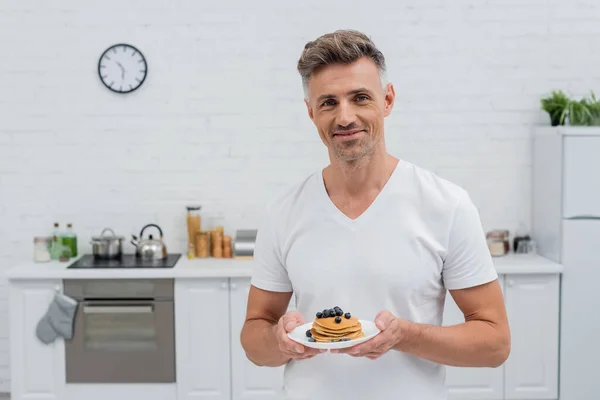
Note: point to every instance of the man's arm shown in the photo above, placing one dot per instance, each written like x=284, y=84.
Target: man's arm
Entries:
x=264, y=334
x=483, y=340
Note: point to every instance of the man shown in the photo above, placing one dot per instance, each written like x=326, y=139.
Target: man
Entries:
x=377, y=236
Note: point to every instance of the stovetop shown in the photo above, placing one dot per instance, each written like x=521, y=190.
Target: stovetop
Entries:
x=126, y=261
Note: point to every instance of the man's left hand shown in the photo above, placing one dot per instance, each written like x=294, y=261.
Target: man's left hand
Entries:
x=391, y=334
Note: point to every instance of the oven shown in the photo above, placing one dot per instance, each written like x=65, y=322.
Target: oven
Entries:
x=123, y=331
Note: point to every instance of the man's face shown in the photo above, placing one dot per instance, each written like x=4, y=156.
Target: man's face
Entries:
x=348, y=105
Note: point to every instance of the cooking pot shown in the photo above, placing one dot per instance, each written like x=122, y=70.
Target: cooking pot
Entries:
x=107, y=247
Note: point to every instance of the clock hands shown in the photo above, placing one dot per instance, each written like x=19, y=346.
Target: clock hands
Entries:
x=122, y=70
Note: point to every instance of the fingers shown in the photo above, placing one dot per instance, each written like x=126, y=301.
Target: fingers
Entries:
x=384, y=319
x=287, y=346
x=291, y=320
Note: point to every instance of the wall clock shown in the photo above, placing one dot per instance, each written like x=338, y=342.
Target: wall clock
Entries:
x=122, y=68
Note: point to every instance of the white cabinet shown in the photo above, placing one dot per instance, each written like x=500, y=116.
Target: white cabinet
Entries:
x=581, y=187
x=38, y=369
x=532, y=303
x=471, y=383
x=202, y=339
x=248, y=381
x=531, y=371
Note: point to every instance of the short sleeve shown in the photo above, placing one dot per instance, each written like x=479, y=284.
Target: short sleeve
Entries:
x=269, y=272
x=468, y=260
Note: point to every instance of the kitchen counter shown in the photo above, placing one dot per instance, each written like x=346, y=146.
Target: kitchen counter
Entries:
x=233, y=268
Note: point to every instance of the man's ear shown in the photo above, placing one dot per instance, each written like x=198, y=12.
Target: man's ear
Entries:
x=390, y=97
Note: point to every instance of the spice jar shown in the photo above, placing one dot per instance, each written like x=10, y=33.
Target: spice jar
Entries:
x=498, y=242
x=227, y=246
x=202, y=245
x=217, y=243
x=41, y=249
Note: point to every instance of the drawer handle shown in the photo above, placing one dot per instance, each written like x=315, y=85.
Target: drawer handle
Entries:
x=117, y=310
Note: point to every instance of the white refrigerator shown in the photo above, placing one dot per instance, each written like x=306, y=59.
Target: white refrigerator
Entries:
x=566, y=225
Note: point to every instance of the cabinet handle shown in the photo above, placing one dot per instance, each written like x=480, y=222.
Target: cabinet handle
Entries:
x=223, y=285
x=511, y=282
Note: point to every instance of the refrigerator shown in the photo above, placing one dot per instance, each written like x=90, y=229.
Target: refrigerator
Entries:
x=566, y=226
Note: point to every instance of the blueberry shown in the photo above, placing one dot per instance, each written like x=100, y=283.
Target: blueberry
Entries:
x=339, y=313
x=325, y=313
x=319, y=314
x=347, y=315
x=337, y=308
x=311, y=339
x=338, y=320
x=308, y=334
x=331, y=312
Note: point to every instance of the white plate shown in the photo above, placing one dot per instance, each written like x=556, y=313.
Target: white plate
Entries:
x=299, y=335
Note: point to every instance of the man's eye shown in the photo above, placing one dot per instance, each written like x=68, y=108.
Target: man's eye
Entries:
x=328, y=103
x=362, y=98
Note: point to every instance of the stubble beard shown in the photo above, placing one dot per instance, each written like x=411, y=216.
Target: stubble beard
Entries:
x=356, y=151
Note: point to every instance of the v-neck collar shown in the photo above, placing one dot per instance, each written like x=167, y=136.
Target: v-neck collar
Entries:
x=371, y=209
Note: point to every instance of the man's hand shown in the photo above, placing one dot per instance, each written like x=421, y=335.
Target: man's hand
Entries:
x=294, y=350
x=391, y=334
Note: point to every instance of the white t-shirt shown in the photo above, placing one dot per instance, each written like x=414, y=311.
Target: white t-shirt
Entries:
x=421, y=236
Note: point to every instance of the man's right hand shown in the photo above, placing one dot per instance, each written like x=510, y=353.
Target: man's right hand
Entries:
x=289, y=348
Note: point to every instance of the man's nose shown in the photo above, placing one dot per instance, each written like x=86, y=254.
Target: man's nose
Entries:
x=346, y=115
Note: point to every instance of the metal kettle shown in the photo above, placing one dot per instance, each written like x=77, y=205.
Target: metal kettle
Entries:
x=150, y=249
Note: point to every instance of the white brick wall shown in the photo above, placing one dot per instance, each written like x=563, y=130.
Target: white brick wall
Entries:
x=220, y=120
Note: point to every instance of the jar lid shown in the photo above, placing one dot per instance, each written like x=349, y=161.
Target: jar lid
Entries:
x=194, y=208
x=498, y=233
x=41, y=239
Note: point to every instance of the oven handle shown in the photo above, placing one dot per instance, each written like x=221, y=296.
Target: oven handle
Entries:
x=91, y=308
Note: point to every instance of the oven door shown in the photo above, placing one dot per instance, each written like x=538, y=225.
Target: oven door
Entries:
x=122, y=341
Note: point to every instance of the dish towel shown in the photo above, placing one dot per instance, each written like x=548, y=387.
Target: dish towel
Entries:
x=58, y=320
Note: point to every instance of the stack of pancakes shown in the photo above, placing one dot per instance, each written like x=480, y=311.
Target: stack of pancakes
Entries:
x=335, y=328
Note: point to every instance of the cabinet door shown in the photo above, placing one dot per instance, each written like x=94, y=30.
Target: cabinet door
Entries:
x=37, y=369
x=532, y=304
x=581, y=193
x=202, y=339
x=470, y=383
x=249, y=382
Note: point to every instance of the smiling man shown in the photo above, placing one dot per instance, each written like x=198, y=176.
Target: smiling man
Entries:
x=378, y=236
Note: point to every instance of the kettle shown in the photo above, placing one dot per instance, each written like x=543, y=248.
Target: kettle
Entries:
x=150, y=249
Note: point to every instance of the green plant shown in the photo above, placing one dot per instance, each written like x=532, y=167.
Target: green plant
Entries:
x=562, y=109
x=594, y=107
x=556, y=106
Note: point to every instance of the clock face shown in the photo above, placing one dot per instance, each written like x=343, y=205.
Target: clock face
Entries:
x=122, y=68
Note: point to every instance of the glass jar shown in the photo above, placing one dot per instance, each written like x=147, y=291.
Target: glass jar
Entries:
x=41, y=249
x=194, y=225
x=498, y=242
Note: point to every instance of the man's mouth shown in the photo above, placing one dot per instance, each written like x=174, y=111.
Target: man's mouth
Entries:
x=347, y=133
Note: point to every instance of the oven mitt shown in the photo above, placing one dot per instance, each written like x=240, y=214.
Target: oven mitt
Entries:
x=58, y=320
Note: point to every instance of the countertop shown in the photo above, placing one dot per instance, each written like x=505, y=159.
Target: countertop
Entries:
x=232, y=268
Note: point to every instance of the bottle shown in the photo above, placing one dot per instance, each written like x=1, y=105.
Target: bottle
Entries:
x=56, y=232
x=69, y=239
x=55, y=248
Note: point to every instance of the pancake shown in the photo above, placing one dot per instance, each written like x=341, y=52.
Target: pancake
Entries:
x=336, y=333
x=334, y=325
x=330, y=324
x=325, y=338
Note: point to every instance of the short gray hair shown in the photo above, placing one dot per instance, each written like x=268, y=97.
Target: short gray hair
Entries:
x=339, y=47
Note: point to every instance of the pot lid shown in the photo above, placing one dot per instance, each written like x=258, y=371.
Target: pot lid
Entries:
x=104, y=236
